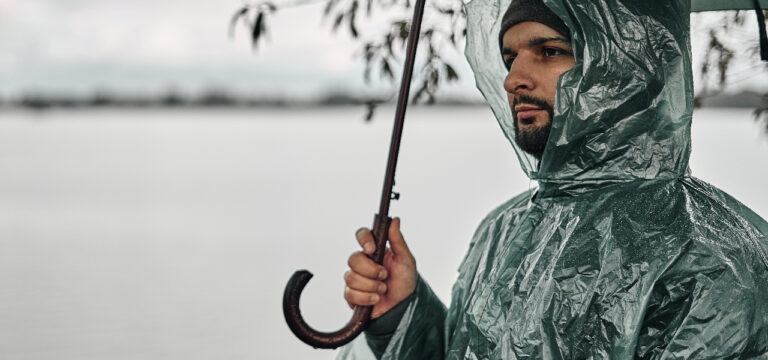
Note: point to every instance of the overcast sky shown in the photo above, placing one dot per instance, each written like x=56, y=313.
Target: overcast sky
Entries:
x=153, y=45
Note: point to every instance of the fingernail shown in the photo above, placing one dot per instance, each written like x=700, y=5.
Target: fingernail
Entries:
x=374, y=298
x=382, y=274
x=382, y=288
x=369, y=247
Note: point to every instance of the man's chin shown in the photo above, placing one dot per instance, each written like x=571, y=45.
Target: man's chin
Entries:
x=532, y=149
x=531, y=134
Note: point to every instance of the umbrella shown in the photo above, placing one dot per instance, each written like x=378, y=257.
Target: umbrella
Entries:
x=299, y=280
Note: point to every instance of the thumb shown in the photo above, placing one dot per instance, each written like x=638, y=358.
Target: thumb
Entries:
x=396, y=241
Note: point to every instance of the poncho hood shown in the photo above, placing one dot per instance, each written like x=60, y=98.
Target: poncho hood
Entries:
x=622, y=113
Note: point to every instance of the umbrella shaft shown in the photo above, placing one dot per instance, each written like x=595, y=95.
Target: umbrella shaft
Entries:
x=402, y=103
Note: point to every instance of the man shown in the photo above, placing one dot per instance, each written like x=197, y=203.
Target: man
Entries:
x=619, y=253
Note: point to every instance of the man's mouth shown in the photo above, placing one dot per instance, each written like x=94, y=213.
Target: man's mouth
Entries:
x=527, y=112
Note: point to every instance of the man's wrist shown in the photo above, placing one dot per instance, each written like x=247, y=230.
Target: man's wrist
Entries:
x=386, y=324
x=380, y=330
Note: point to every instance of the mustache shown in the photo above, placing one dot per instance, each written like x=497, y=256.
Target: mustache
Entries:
x=531, y=100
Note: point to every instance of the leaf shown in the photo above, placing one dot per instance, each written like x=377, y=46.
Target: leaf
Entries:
x=419, y=93
x=233, y=22
x=368, y=52
x=451, y=73
x=352, y=28
x=404, y=30
x=370, y=109
x=738, y=18
x=337, y=22
x=388, y=41
x=258, y=29
x=434, y=77
x=328, y=7
x=723, y=64
x=352, y=15
x=386, y=70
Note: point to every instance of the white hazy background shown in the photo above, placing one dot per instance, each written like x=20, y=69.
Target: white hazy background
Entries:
x=170, y=234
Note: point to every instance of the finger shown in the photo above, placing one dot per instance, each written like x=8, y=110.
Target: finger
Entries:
x=358, y=282
x=356, y=297
x=365, y=238
x=396, y=241
x=363, y=265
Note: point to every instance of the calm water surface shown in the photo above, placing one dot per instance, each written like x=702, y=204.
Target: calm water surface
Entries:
x=170, y=234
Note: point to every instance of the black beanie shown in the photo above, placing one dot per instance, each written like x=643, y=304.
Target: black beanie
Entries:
x=531, y=10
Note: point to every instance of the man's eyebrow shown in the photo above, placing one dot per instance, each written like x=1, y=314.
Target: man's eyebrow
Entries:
x=542, y=40
x=536, y=42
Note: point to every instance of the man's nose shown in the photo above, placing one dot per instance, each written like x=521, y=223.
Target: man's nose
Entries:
x=519, y=78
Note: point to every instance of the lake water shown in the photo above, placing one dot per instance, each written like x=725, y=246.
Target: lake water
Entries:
x=152, y=234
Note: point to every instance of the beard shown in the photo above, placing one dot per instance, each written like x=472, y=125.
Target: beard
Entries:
x=531, y=139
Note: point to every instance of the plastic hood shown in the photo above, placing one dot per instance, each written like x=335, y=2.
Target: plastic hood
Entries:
x=623, y=112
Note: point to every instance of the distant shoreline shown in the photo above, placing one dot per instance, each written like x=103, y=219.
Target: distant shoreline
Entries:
x=220, y=100
x=210, y=100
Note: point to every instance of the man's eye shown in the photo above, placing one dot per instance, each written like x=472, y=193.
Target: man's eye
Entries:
x=508, y=62
x=553, y=51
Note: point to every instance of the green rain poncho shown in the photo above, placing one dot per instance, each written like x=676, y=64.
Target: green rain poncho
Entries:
x=621, y=253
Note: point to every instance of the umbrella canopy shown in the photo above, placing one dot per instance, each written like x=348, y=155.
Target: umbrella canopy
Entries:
x=715, y=5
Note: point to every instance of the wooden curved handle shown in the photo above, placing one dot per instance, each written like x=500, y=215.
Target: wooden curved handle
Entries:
x=312, y=337
x=362, y=315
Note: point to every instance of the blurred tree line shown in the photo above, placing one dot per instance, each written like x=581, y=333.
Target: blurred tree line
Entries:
x=727, y=41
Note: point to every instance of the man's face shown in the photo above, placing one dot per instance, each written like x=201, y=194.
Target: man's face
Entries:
x=535, y=56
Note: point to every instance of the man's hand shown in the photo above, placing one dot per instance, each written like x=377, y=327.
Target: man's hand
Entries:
x=382, y=286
